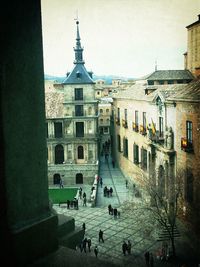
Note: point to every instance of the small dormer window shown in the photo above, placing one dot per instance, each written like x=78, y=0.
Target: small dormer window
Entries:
x=78, y=74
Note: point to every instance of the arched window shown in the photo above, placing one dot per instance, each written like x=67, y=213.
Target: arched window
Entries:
x=80, y=152
x=79, y=178
x=59, y=154
x=56, y=178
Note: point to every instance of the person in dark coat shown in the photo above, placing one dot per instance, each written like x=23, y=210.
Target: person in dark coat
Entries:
x=96, y=251
x=89, y=244
x=124, y=248
x=146, y=256
x=101, y=236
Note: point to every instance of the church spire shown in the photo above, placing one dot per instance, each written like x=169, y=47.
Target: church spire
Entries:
x=78, y=49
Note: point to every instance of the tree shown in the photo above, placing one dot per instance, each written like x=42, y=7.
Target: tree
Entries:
x=165, y=208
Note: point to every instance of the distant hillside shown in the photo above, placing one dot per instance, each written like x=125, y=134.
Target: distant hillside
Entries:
x=108, y=78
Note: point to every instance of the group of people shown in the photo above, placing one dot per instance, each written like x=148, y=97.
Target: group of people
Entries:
x=107, y=192
x=126, y=247
x=113, y=211
x=72, y=204
x=86, y=243
x=83, y=196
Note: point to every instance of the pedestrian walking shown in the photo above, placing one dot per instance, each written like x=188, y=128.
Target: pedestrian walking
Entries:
x=111, y=191
x=85, y=244
x=146, y=256
x=84, y=194
x=124, y=248
x=68, y=203
x=83, y=227
x=109, y=209
x=101, y=236
x=101, y=182
x=96, y=251
x=80, y=192
x=126, y=183
x=113, y=163
x=84, y=201
x=61, y=183
x=129, y=245
x=89, y=242
x=81, y=246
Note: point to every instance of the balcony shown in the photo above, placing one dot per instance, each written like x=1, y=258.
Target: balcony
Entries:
x=186, y=145
x=117, y=121
x=135, y=127
x=124, y=123
x=143, y=130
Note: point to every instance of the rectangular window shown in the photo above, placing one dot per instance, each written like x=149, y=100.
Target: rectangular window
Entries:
x=143, y=159
x=78, y=93
x=118, y=113
x=79, y=129
x=58, y=129
x=135, y=154
x=189, y=131
x=78, y=110
x=119, y=143
x=136, y=118
x=125, y=145
x=125, y=114
x=160, y=126
x=144, y=120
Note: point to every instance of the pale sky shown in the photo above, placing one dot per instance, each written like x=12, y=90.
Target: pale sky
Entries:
x=120, y=37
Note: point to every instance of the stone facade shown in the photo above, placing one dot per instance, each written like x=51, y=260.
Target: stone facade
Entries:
x=140, y=123
x=156, y=136
x=104, y=110
x=192, y=56
x=72, y=131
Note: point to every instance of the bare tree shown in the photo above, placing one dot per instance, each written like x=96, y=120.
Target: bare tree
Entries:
x=165, y=208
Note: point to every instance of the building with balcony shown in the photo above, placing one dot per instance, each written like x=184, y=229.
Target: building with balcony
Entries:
x=192, y=56
x=188, y=149
x=104, y=110
x=156, y=136
x=71, y=120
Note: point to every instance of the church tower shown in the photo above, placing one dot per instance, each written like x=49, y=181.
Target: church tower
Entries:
x=72, y=132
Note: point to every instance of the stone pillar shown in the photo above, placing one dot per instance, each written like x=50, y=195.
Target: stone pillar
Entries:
x=30, y=224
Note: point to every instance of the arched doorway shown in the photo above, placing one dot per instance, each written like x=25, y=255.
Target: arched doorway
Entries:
x=59, y=154
x=56, y=178
x=161, y=181
x=79, y=178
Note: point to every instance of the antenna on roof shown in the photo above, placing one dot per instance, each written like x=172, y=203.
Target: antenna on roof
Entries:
x=156, y=65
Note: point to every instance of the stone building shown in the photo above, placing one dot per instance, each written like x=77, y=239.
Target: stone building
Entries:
x=192, y=56
x=188, y=150
x=166, y=77
x=156, y=138
x=72, y=133
x=104, y=108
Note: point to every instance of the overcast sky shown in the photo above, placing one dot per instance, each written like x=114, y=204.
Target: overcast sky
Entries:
x=120, y=37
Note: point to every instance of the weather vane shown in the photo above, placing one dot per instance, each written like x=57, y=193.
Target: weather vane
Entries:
x=76, y=15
